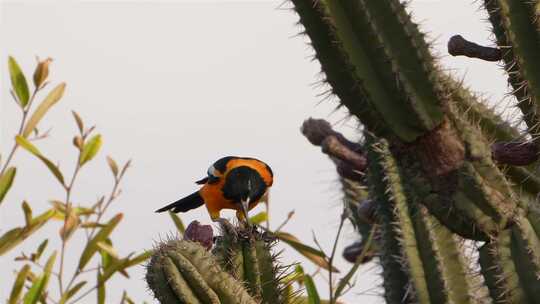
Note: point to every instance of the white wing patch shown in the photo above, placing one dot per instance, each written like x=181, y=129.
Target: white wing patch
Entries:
x=212, y=171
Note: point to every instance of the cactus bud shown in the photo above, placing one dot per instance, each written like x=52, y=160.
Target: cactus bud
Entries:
x=42, y=72
x=514, y=153
x=78, y=142
x=202, y=234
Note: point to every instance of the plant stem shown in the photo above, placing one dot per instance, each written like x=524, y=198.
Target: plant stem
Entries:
x=66, y=217
x=111, y=198
x=21, y=127
x=100, y=213
x=85, y=294
x=331, y=260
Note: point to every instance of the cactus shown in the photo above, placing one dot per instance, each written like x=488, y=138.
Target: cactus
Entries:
x=184, y=272
x=241, y=269
x=249, y=259
x=436, y=169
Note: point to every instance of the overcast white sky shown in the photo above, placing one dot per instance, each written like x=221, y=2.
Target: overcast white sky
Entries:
x=175, y=85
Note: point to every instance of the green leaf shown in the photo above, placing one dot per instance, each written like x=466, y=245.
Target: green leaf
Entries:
x=108, y=249
x=71, y=292
x=52, y=98
x=100, y=289
x=71, y=223
x=79, y=121
x=113, y=166
x=24, y=143
x=259, y=218
x=313, y=295
x=126, y=299
x=314, y=255
x=15, y=236
x=124, y=169
x=6, y=180
x=40, y=285
x=18, y=81
x=92, y=225
x=123, y=264
x=140, y=258
x=102, y=235
x=41, y=248
x=178, y=222
x=90, y=149
x=16, y=291
x=106, y=259
x=27, y=213
x=28, y=146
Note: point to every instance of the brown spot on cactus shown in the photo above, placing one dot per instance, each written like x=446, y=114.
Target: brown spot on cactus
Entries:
x=440, y=151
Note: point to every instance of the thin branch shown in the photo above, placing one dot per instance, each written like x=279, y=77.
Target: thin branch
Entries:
x=68, y=188
x=21, y=128
x=331, y=259
x=289, y=216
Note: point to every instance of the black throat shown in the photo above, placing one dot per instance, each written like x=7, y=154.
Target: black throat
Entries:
x=243, y=183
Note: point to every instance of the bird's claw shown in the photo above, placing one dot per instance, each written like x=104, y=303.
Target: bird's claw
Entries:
x=225, y=224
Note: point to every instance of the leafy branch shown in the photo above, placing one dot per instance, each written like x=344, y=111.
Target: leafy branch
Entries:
x=74, y=218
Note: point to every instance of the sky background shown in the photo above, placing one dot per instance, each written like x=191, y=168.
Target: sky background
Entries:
x=175, y=85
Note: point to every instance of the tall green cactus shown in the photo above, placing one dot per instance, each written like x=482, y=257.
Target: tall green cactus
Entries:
x=442, y=168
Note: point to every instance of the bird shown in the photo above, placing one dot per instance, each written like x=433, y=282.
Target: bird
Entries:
x=232, y=182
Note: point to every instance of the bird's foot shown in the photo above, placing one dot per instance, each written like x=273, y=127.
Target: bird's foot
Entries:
x=224, y=224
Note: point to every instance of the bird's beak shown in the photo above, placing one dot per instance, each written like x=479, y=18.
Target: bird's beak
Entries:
x=245, y=206
x=266, y=196
x=202, y=181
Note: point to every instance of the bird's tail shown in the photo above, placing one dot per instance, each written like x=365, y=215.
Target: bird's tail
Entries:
x=189, y=202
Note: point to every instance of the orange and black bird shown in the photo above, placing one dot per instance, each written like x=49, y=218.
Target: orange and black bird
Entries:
x=232, y=182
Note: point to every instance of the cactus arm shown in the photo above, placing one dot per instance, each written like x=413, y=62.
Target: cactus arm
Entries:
x=429, y=254
x=252, y=274
x=403, y=56
x=524, y=178
x=269, y=279
x=161, y=281
x=534, y=217
x=493, y=127
x=512, y=25
x=510, y=264
x=251, y=261
x=178, y=284
x=396, y=224
x=407, y=115
x=444, y=264
x=517, y=18
x=336, y=65
x=185, y=272
x=526, y=253
x=499, y=271
x=193, y=278
x=227, y=289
